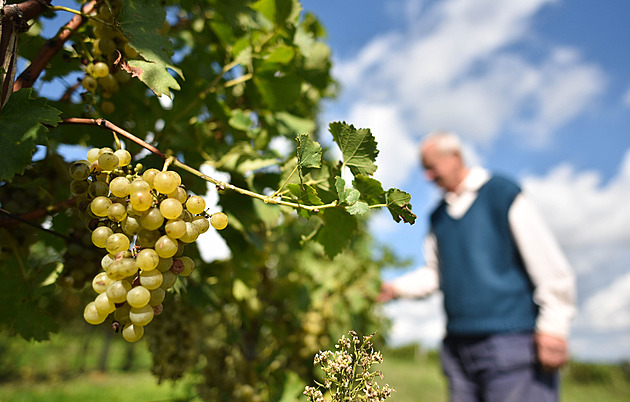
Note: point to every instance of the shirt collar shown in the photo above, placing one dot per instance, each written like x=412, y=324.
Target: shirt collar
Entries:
x=476, y=177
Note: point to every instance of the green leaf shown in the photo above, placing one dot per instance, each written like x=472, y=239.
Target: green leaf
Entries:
x=306, y=195
x=278, y=11
x=371, y=189
x=358, y=147
x=279, y=90
x=337, y=230
x=398, y=204
x=22, y=120
x=358, y=208
x=282, y=54
x=294, y=124
x=309, y=152
x=141, y=21
x=240, y=120
x=348, y=196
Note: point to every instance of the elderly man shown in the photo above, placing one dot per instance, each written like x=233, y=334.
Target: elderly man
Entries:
x=508, y=289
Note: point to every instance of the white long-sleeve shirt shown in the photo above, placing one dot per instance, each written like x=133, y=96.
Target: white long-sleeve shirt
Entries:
x=545, y=263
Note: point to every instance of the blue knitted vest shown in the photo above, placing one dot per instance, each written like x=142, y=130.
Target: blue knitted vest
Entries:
x=486, y=289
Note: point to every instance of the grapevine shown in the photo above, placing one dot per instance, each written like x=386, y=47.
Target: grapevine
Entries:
x=143, y=219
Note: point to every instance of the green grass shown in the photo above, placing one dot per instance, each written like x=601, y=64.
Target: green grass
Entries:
x=67, y=369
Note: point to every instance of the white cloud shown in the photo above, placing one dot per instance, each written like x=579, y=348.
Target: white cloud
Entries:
x=458, y=72
x=609, y=308
x=626, y=98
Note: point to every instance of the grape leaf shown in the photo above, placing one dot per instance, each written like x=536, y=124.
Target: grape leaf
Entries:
x=371, y=189
x=141, y=21
x=358, y=147
x=309, y=152
x=279, y=90
x=398, y=204
x=348, y=196
x=22, y=120
x=358, y=208
x=305, y=194
x=337, y=230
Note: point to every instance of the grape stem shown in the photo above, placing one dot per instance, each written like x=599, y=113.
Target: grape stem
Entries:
x=171, y=160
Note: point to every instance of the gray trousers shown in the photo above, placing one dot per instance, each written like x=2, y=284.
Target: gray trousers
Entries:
x=496, y=368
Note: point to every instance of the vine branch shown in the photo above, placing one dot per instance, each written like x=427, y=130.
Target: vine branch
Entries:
x=171, y=160
x=28, y=77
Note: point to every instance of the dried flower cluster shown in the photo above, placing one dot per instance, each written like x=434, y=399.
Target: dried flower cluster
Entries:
x=347, y=372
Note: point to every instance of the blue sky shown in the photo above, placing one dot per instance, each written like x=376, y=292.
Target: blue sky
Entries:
x=539, y=90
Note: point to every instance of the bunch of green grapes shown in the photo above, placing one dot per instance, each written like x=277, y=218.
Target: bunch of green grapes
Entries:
x=143, y=220
x=109, y=46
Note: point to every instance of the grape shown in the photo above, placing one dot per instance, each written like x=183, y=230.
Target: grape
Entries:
x=151, y=279
x=149, y=175
x=101, y=282
x=165, y=264
x=100, y=236
x=122, y=76
x=179, y=194
x=130, y=52
x=195, y=204
x=201, y=223
x=100, y=69
x=147, y=259
x=165, y=182
x=139, y=185
x=117, y=212
x=219, y=220
x=97, y=189
x=79, y=187
x=175, y=228
x=119, y=186
x=138, y=296
x=107, y=260
x=168, y=279
x=89, y=83
x=132, y=333
x=92, y=155
x=103, y=150
x=171, y=208
x=124, y=157
x=108, y=161
x=141, y=316
x=122, y=313
x=106, y=46
x=191, y=233
x=130, y=225
x=79, y=170
x=157, y=296
x=152, y=219
x=141, y=200
x=189, y=266
x=121, y=269
x=147, y=238
x=103, y=304
x=178, y=266
x=117, y=291
x=109, y=83
x=116, y=243
x=91, y=314
x=166, y=247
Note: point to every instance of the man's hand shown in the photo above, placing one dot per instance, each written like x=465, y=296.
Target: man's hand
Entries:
x=552, y=351
x=388, y=292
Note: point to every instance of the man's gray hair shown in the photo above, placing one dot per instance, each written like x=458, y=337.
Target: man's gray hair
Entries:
x=444, y=141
